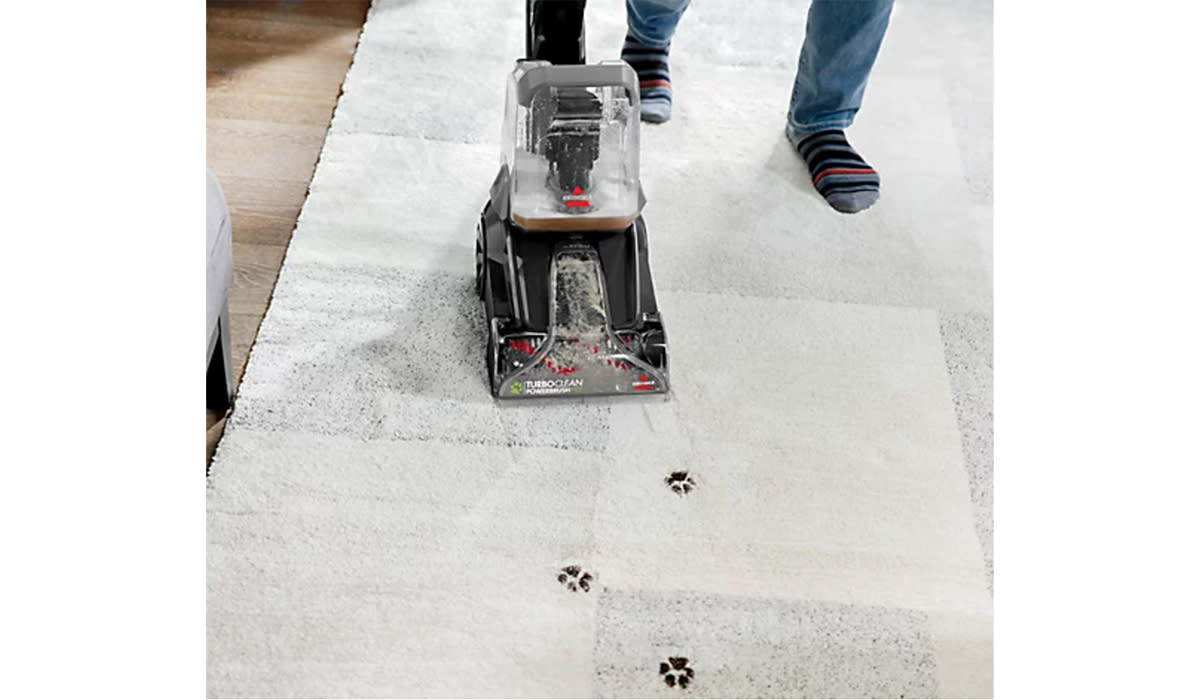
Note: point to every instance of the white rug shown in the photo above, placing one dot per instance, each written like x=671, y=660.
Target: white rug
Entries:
x=378, y=526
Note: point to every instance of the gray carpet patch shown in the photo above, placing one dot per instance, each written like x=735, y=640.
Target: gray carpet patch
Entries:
x=968, y=344
x=753, y=647
x=387, y=353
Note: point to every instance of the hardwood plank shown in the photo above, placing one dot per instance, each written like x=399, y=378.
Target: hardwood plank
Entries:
x=255, y=269
x=244, y=328
x=263, y=195
x=228, y=54
x=340, y=13
x=263, y=211
x=278, y=32
x=274, y=77
x=277, y=108
x=266, y=150
x=265, y=230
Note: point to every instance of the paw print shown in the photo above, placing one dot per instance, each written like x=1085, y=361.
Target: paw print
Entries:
x=675, y=671
x=575, y=579
x=680, y=483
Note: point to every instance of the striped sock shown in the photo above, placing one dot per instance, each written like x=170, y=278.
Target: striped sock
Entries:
x=654, y=79
x=840, y=175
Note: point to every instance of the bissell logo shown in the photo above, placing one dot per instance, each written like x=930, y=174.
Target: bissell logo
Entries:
x=576, y=199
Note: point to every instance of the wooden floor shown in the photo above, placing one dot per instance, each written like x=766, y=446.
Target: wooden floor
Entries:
x=274, y=73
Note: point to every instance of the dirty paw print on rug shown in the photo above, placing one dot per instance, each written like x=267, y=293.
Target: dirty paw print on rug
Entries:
x=680, y=482
x=575, y=579
x=675, y=671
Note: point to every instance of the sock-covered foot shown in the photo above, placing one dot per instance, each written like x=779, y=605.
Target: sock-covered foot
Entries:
x=654, y=79
x=840, y=175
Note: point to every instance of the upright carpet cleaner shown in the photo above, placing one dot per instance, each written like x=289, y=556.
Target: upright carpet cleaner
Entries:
x=561, y=260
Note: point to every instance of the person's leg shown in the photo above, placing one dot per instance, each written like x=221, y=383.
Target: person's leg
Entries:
x=648, y=40
x=840, y=45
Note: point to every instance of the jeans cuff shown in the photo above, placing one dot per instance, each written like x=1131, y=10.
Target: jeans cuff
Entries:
x=662, y=45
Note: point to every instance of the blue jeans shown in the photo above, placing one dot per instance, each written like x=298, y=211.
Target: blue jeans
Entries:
x=840, y=44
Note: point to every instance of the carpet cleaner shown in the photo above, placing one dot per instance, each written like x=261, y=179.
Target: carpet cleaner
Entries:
x=561, y=259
